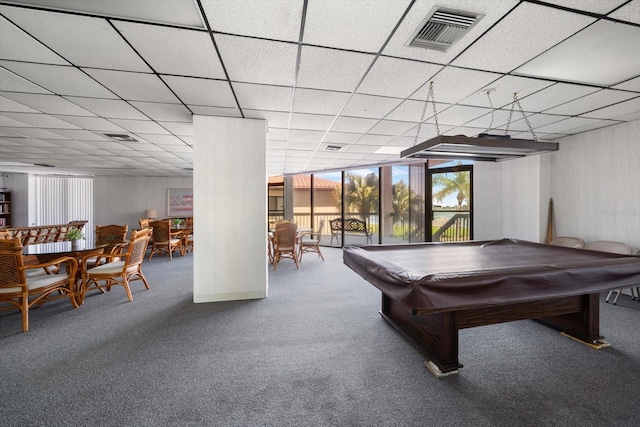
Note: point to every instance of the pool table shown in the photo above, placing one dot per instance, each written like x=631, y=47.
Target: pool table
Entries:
x=432, y=290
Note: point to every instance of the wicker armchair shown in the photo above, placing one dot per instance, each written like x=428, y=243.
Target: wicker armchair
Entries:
x=164, y=240
x=310, y=244
x=113, y=237
x=285, y=242
x=22, y=291
x=188, y=236
x=118, y=272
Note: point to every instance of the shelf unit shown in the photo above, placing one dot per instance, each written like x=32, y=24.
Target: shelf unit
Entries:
x=5, y=209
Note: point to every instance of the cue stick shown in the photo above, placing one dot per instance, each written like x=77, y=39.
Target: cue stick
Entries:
x=550, y=223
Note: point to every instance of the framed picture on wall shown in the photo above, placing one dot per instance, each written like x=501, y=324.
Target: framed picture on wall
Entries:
x=179, y=202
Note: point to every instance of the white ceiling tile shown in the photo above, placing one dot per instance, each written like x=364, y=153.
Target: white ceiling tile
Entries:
x=32, y=132
x=7, y=104
x=71, y=35
x=92, y=123
x=502, y=91
x=397, y=77
x=80, y=134
x=362, y=149
x=594, y=125
x=110, y=108
x=211, y=93
x=11, y=82
x=554, y=95
x=391, y=127
x=342, y=137
x=370, y=139
x=375, y=107
x=457, y=115
x=19, y=46
x=271, y=62
x=595, y=6
x=453, y=85
x=427, y=130
x=213, y=111
x=277, y=134
x=311, y=121
x=134, y=86
x=617, y=111
x=591, y=102
x=563, y=126
x=140, y=126
x=177, y=128
x=60, y=80
x=40, y=120
x=633, y=84
x=164, y=112
x=539, y=120
x=411, y=111
x=498, y=119
x=573, y=59
x=353, y=124
x=305, y=135
x=263, y=97
x=332, y=69
x=491, y=9
x=302, y=145
x=629, y=117
x=161, y=139
x=526, y=32
x=319, y=101
x=355, y=25
x=464, y=130
x=630, y=12
x=278, y=20
x=48, y=104
x=181, y=149
x=174, y=50
x=274, y=118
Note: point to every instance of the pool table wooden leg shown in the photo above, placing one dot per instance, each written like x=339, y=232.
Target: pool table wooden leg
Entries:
x=436, y=335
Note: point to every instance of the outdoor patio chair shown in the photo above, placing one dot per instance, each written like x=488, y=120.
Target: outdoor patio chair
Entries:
x=119, y=272
x=310, y=243
x=22, y=291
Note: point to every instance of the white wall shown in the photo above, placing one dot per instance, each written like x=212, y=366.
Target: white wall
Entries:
x=230, y=209
x=594, y=180
x=123, y=200
x=596, y=185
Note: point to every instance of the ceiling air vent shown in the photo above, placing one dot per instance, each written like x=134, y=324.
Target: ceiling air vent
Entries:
x=120, y=137
x=442, y=28
x=333, y=148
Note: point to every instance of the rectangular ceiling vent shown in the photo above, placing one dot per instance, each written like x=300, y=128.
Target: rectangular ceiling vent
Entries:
x=442, y=28
x=122, y=137
x=333, y=148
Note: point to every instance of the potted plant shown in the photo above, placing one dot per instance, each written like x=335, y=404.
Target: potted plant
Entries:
x=176, y=221
x=77, y=238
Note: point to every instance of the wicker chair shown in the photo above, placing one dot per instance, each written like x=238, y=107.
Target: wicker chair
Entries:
x=310, y=244
x=118, y=272
x=144, y=222
x=285, y=242
x=22, y=291
x=113, y=237
x=164, y=240
x=188, y=236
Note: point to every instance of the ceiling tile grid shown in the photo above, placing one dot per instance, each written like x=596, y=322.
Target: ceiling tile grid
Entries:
x=332, y=72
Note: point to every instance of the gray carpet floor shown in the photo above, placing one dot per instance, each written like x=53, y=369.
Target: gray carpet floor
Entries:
x=314, y=353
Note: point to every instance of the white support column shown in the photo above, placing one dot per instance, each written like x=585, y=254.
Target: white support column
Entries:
x=230, y=209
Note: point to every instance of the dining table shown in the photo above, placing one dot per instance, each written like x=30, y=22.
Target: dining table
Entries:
x=45, y=252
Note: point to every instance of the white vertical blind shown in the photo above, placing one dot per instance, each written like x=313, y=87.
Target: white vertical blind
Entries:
x=60, y=199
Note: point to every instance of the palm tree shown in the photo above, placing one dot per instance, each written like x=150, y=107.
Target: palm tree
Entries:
x=451, y=183
x=361, y=194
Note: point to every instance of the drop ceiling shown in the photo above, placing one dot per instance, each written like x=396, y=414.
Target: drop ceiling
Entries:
x=321, y=72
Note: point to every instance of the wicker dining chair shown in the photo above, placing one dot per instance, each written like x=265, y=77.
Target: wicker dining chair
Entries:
x=188, y=236
x=164, y=240
x=22, y=290
x=120, y=272
x=112, y=237
x=285, y=242
x=312, y=244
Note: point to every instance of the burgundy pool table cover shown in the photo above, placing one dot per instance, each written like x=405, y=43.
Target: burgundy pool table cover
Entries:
x=436, y=277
